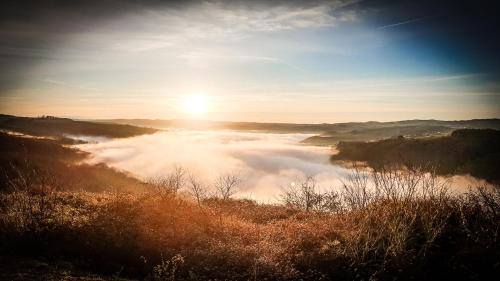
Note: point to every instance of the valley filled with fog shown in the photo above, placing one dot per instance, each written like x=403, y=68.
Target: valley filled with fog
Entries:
x=265, y=162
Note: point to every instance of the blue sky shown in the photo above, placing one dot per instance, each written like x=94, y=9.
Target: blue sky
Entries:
x=324, y=61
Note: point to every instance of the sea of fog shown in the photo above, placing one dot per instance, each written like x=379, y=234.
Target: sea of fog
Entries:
x=266, y=162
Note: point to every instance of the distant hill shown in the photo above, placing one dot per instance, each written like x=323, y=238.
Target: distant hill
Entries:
x=220, y=125
x=329, y=134
x=61, y=127
x=466, y=151
x=372, y=131
x=380, y=132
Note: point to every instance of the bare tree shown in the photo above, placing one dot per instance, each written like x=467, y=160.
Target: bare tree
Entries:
x=196, y=188
x=304, y=194
x=177, y=177
x=169, y=184
x=226, y=185
x=301, y=193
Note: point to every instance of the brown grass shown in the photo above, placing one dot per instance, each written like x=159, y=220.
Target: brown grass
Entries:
x=145, y=235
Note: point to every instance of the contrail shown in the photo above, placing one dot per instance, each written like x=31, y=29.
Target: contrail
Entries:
x=401, y=23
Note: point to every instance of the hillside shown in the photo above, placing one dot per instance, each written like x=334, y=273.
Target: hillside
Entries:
x=467, y=151
x=30, y=161
x=372, y=131
x=62, y=127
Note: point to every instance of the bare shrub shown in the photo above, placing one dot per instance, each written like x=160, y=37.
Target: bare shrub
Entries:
x=355, y=190
x=24, y=175
x=362, y=188
x=480, y=213
x=30, y=202
x=40, y=211
x=226, y=185
x=389, y=207
x=330, y=201
x=487, y=198
x=31, y=211
x=167, y=269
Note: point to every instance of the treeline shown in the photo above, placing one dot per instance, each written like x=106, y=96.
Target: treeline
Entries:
x=467, y=151
x=61, y=127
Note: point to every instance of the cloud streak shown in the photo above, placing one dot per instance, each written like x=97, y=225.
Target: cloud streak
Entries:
x=401, y=23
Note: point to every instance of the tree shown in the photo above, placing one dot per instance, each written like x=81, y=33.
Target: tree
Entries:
x=303, y=194
x=169, y=184
x=226, y=185
x=196, y=188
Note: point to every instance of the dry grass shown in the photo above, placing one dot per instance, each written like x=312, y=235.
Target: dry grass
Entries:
x=146, y=235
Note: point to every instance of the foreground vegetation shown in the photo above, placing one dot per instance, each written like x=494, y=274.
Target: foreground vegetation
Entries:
x=467, y=151
x=378, y=226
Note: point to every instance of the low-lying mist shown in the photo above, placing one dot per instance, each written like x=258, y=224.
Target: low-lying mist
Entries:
x=266, y=162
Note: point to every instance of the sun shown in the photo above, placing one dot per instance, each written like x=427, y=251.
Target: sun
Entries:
x=195, y=104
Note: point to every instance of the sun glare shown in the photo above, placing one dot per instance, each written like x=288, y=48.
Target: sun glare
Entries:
x=195, y=104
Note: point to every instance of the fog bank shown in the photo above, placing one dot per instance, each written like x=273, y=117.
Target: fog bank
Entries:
x=266, y=162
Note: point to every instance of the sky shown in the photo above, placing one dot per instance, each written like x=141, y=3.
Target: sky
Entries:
x=265, y=61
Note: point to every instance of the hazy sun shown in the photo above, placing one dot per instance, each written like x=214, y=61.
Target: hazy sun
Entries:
x=195, y=104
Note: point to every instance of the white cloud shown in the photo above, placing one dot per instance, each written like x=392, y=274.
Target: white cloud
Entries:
x=147, y=30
